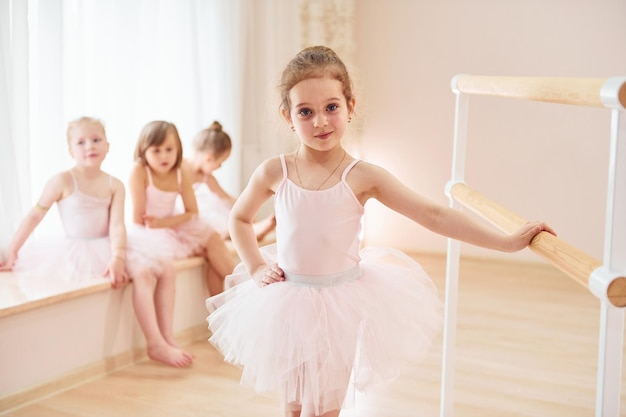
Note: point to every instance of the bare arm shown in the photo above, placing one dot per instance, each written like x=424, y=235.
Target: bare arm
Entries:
x=53, y=191
x=260, y=188
x=376, y=182
x=213, y=185
x=137, y=184
x=117, y=235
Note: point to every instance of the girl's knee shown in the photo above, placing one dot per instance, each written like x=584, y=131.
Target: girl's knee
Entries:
x=169, y=270
x=143, y=278
x=214, y=239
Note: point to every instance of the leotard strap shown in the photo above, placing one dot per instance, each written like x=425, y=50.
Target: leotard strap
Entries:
x=348, y=168
x=283, y=163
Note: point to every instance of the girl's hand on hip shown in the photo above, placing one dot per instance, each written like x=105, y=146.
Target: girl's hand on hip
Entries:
x=268, y=274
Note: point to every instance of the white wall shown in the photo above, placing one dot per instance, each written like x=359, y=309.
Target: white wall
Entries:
x=542, y=161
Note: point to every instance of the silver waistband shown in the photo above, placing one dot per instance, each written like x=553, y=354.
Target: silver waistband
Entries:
x=321, y=281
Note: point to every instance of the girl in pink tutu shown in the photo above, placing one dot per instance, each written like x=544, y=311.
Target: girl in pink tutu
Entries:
x=325, y=318
x=211, y=147
x=91, y=208
x=159, y=232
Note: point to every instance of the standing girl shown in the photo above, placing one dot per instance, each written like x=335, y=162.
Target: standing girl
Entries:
x=155, y=183
x=91, y=208
x=211, y=147
x=326, y=317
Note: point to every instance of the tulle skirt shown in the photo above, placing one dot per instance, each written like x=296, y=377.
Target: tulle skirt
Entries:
x=50, y=266
x=148, y=247
x=314, y=340
x=212, y=209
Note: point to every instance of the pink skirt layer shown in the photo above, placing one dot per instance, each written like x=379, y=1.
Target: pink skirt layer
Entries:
x=150, y=248
x=315, y=343
x=56, y=265
x=65, y=259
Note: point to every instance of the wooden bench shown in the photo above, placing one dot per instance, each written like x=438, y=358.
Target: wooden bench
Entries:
x=53, y=341
x=54, y=338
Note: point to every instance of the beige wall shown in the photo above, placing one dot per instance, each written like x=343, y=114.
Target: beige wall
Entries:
x=542, y=161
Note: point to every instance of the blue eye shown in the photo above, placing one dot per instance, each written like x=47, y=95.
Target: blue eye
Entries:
x=332, y=107
x=304, y=112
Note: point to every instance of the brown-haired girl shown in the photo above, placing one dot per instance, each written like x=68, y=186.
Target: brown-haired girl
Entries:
x=327, y=318
x=156, y=181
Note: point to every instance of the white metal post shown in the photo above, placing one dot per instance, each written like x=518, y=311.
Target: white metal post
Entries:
x=453, y=257
x=611, y=318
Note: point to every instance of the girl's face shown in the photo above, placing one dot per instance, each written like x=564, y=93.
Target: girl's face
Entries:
x=162, y=158
x=319, y=112
x=88, y=145
x=210, y=162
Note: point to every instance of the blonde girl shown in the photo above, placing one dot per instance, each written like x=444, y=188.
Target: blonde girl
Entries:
x=91, y=208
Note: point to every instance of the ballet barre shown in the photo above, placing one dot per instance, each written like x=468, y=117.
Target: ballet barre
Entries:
x=590, y=92
x=606, y=279
x=575, y=263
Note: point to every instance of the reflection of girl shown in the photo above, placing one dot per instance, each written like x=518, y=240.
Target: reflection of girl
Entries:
x=211, y=147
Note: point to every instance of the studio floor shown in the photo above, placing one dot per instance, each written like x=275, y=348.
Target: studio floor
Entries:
x=526, y=346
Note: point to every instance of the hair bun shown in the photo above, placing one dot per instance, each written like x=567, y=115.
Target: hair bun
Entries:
x=216, y=126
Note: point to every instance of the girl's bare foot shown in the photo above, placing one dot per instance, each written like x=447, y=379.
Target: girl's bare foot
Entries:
x=173, y=343
x=263, y=227
x=169, y=355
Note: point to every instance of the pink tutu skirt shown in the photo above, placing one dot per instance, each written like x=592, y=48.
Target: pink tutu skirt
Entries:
x=314, y=340
x=147, y=246
x=67, y=259
x=52, y=266
x=212, y=209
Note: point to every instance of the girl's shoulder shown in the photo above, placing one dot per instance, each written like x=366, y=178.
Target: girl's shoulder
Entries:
x=269, y=173
x=271, y=167
x=62, y=179
x=138, y=169
x=365, y=170
x=364, y=177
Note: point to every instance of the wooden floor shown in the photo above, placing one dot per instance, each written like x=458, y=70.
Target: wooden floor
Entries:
x=526, y=346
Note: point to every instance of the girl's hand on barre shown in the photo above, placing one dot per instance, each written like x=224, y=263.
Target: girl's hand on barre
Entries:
x=527, y=233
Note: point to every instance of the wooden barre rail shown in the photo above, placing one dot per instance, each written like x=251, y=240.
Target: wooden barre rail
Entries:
x=576, y=91
x=572, y=261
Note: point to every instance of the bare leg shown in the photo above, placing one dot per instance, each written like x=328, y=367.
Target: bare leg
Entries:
x=221, y=263
x=298, y=413
x=334, y=413
x=144, y=305
x=214, y=281
x=164, y=296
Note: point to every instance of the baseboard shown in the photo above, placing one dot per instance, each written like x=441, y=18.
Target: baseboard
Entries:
x=92, y=371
